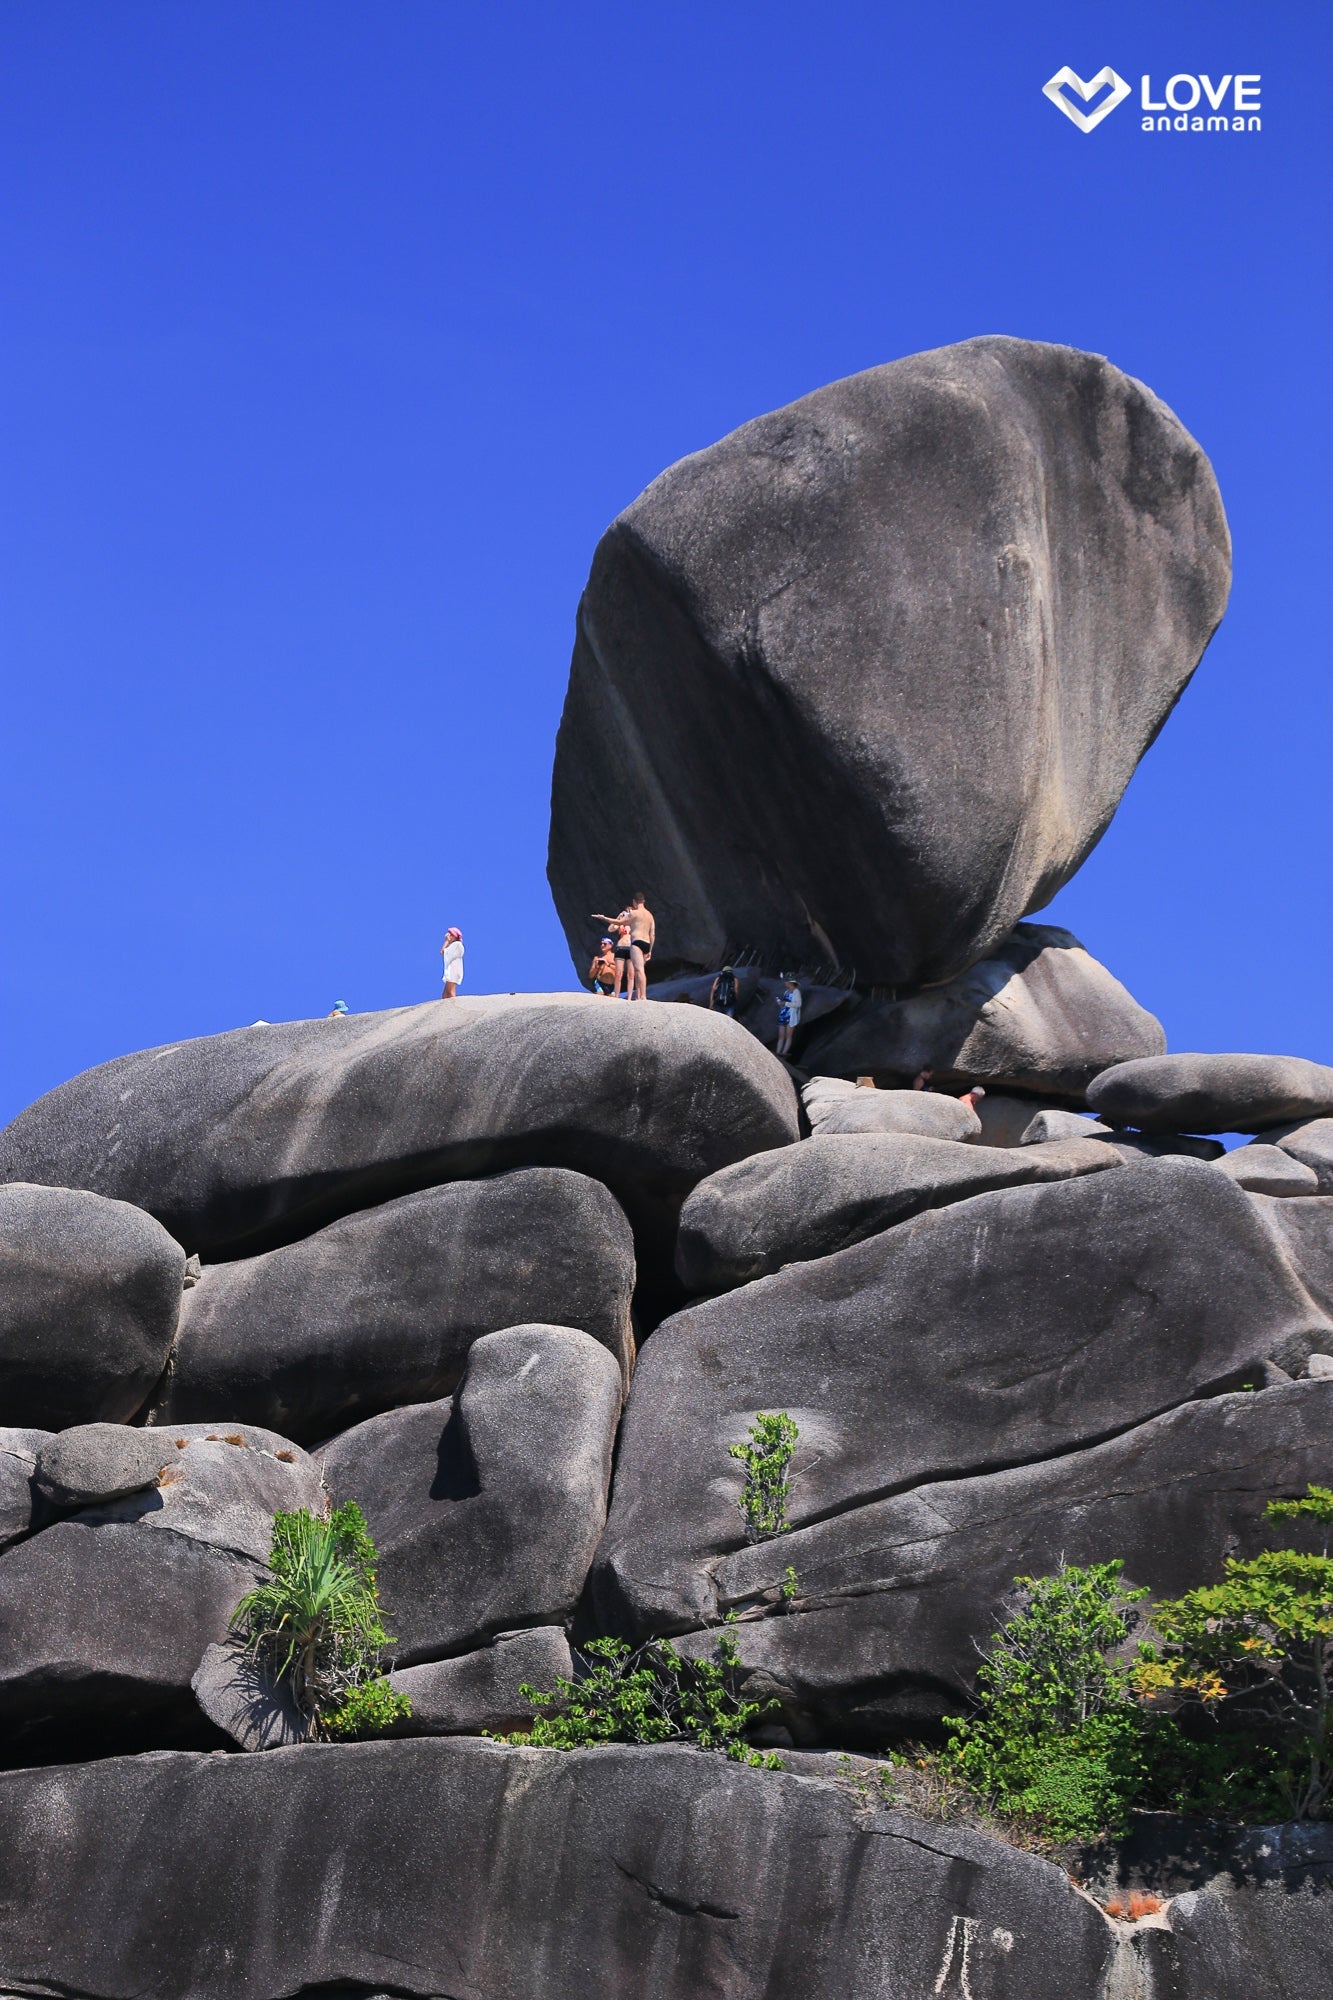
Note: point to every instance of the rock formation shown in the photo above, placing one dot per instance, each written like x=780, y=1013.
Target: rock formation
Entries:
x=863, y=682
x=516, y=1275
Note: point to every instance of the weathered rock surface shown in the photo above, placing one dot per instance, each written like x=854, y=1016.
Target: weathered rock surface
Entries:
x=1205, y=1093
x=1004, y=1119
x=846, y=686
x=380, y=1309
x=833, y=1190
x=93, y=1462
x=101, y=1629
x=18, y=1460
x=89, y=1294
x=103, y=1622
x=924, y=1112
x=239, y=1141
x=239, y=1695
x=479, y=1691
x=896, y=1596
x=1174, y=1146
x=1310, y=1141
x=1268, y=1170
x=1048, y=1125
x=1014, y=1326
x=1304, y=1230
x=614, y=1872
x=486, y=1508
x=1039, y=1013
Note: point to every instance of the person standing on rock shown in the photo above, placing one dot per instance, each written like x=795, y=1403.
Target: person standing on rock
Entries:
x=451, y=951
x=789, y=1016
x=642, y=936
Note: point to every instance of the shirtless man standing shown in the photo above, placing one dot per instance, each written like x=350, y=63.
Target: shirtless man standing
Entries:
x=642, y=934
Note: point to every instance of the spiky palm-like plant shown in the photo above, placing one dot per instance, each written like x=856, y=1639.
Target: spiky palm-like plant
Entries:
x=316, y=1622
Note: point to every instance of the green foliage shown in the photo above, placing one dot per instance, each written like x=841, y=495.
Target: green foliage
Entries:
x=765, y=1486
x=316, y=1622
x=654, y=1695
x=790, y=1585
x=1212, y=1773
x=1315, y=1504
x=1055, y=1738
x=1262, y=1638
x=366, y=1710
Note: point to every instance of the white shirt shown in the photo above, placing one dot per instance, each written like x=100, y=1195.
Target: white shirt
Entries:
x=792, y=1002
x=453, y=961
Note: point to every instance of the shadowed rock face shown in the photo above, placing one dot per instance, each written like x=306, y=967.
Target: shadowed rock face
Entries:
x=486, y=1508
x=864, y=682
x=1040, y=1013
x=467, y=1868
x=90, y=1291
x=105, y=1616
x=1011, y=1327
x=615, y=1872
x=381, y=1308
x=244, y=1140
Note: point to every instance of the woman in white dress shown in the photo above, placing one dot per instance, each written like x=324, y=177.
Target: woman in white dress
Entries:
x=451, y=951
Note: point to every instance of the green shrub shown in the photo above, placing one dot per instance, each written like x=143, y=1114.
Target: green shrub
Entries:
x=1262, y=1639
x=1055, y=1738
x=366, y=1710
x=654, y=1695
x=765, y=1485
x=315, y=1624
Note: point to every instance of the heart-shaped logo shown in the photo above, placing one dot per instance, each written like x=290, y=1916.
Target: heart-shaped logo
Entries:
x=1065, y=79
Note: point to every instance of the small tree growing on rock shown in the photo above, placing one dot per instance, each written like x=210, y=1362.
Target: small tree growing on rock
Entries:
x=765, y=1486
x=316, y=1623
x=1262, y=1638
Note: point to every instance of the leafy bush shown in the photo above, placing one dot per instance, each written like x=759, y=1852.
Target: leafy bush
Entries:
x=765, y=1486
x=316, y=1623
x=654, y=1695
x=1263, y=1639
x=366, y=1710
x=1056, y=1739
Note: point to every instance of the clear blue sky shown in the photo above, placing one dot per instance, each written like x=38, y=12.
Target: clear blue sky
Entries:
x=336, y=333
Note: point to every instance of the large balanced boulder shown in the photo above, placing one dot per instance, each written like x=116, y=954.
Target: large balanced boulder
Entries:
x=863, y=683
x=380, y=1309
x=832, y=1190
x=1013, y=1326
x=1039, y=1013
x=105, y=1616
x=90, y=1291
x=1205, y=1093
x=895, y=1598
x=457, y=1867
x=486, y=1507
x=244, y=1140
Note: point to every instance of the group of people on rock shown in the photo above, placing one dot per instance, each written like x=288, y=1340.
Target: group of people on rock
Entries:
x=623, y=954
x=724, y=997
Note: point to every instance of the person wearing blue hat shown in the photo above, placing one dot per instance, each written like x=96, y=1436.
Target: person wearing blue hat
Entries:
x=338, y=1011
